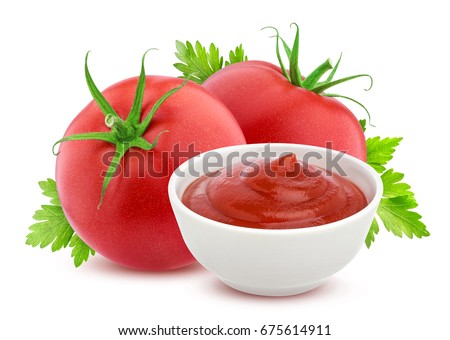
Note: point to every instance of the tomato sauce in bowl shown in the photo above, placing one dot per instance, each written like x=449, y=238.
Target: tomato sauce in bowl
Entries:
x=277, y=194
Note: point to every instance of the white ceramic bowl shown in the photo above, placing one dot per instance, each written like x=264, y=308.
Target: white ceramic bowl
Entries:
x=275, y=262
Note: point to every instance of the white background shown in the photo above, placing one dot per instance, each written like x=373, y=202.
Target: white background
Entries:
x=394, y=290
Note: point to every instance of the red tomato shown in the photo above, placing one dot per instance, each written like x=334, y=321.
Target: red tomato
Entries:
x=135, y=225
x=270, y=109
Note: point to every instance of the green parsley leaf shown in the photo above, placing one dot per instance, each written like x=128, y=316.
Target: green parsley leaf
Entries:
x=399, y=219
x=363, y=123
x=80, y=251
x=53, y=228
x=236, y=56
x=374, y=229
x=380, y=151
x=395, y=209
x=199, y=64
x=392, y=186
x=49, y=189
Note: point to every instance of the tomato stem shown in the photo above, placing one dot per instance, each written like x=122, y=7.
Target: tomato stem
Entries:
x=311, y=80
x=125, y=132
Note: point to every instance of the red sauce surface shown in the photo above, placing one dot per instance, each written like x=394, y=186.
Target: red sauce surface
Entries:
x=281, y=194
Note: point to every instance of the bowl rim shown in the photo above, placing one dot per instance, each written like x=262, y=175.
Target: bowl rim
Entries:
x=323, y=228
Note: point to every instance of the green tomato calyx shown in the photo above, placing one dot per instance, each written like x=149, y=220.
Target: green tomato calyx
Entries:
x=313, y=82
x=124, y=134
